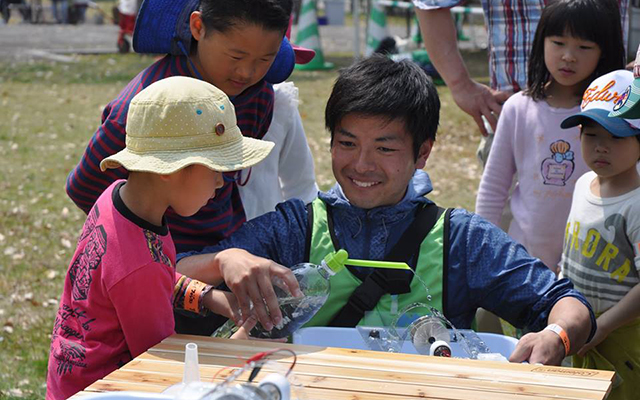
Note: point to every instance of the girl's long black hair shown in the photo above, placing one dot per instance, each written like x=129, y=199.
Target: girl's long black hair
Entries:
x=597, y=21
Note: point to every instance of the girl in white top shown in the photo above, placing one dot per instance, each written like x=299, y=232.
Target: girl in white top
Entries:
x=576, y=41
x=288, y=171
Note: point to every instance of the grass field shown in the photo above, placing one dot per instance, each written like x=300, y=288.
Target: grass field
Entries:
x=48, y=112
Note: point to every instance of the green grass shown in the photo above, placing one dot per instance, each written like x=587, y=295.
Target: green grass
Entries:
x=48, y=112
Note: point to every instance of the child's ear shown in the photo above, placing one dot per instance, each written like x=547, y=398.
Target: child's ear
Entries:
x=196, y=25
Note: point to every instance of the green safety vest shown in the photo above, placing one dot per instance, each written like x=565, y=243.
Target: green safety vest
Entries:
x=429, y=267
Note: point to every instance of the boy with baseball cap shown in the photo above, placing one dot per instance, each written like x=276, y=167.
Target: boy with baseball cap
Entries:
x=121, y=287
x=601, y=253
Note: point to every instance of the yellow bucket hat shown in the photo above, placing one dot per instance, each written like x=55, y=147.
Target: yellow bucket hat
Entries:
x=179, y=121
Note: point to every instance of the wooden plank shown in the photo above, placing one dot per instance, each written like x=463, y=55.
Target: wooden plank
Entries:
x=309, y=373
x=363, y=361
x=421, y=374
x=446, y=390
x=311, y=393
x=217, y=346
x=334, y=373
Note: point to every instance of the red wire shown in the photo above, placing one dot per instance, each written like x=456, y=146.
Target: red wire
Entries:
x=261, y=356
x=220, y=370
x=295, y=358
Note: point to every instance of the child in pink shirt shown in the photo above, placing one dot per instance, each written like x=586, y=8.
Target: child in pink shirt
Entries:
x=122, y=287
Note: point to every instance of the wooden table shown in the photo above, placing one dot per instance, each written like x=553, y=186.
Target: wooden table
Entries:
x=341, y=374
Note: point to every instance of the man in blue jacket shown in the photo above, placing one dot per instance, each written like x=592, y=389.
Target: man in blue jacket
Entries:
x=383, y=116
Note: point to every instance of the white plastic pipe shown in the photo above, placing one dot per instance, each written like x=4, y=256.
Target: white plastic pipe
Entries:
x=191, y=364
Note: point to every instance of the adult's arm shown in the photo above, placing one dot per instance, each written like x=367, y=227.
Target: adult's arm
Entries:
x=488, y=269
x=440, y=40
x=253, y=255
x=546, y=347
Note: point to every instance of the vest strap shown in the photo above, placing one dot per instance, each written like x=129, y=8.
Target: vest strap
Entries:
x=365, y=297
x=445, y=261
x=307, y=239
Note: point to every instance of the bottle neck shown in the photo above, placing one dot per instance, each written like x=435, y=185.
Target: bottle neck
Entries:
x=325, y=271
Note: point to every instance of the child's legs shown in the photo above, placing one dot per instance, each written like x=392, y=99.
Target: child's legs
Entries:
x=126, y=23
x=488, y=322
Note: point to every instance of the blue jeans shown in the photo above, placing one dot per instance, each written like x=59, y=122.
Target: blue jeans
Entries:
x=60, y=10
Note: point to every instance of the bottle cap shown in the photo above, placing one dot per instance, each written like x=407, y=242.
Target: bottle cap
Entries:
x=336, y=260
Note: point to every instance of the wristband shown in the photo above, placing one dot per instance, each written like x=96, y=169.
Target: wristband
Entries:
x=192, y=296
x=557, y=329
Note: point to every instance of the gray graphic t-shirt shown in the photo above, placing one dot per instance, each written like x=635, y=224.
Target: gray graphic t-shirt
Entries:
x=602, y=244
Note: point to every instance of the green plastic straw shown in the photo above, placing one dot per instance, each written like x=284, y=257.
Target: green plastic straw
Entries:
x=377, y=264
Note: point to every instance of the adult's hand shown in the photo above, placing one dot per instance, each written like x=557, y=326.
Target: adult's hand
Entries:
x=250, y=278
x=479, y=100
x=544, y=347
x=440, y=39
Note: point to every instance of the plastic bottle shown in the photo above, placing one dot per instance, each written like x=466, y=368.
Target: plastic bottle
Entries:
x=296, y=311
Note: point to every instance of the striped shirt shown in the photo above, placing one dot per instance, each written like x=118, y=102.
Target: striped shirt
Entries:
x=223, y=214
x=511, y=26
x=601, y=254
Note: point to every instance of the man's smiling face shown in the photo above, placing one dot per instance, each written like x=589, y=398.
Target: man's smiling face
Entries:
x=373, y=160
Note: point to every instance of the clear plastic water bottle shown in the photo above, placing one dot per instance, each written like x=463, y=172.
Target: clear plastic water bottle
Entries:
x=296, y=311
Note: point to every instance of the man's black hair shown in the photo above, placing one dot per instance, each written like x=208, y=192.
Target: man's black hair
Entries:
x=222, y=15
x=380, y=87
x=597, y=21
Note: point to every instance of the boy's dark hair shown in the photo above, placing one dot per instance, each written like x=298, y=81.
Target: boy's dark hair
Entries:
x=380, y=87
x=222, y=15
x=597, y=21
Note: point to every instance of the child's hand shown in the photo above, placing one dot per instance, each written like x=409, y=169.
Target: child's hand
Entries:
x=250, y=278
x=625, y=311
x=223, y=303
x=601, y=334
x=243, y=331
